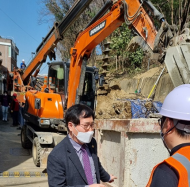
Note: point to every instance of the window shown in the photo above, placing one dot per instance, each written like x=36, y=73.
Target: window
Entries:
x=10, y=49
x=87, y=84
x=56, y=78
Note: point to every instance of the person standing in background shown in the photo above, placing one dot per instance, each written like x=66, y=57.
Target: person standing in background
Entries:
x=21, y=119
x=22, y=65
x=5, y=104
x=15, y=110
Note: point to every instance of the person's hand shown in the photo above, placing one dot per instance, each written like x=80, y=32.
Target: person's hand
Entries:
x=97, y=185
x=11, y=111
x=112, y=178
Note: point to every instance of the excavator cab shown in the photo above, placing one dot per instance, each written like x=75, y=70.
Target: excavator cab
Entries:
x=58, y=80
x=58, y=77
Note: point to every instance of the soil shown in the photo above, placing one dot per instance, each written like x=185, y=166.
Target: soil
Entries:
x=150, y=73
x=115, y=104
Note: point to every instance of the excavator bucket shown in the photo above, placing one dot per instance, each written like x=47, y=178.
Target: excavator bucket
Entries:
x=138, y=41
x=177, y=61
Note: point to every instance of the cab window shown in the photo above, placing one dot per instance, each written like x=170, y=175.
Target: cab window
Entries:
x=56, y=78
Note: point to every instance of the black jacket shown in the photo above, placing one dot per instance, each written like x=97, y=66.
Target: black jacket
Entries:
x=65, y=169
x=5, y=100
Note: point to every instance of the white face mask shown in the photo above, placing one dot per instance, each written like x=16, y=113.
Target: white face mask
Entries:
x=84, y=137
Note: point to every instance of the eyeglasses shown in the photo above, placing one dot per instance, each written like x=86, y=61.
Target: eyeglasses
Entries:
x=88, y=126
x=161, y=121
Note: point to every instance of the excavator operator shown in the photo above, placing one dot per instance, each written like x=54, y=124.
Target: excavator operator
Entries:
x=175, y=133
x=57, y=79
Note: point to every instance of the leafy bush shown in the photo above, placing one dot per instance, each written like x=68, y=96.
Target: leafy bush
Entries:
x=119, y=42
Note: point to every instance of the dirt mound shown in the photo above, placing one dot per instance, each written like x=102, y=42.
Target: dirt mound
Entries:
x=115, y=105
x=150, y=73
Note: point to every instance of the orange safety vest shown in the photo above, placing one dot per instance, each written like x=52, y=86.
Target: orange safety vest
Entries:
x=180, y=161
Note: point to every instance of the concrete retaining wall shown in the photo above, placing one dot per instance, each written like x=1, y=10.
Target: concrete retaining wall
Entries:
x=129, y=149
x=164, y=86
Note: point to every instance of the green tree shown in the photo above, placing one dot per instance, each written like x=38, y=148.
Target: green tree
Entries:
x=175, y=11
x=119, y=42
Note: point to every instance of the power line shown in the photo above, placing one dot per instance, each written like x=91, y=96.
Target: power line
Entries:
x=18, y=25
x=29, y=61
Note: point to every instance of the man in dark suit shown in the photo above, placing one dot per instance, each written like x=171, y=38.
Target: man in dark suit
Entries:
x=74, y=161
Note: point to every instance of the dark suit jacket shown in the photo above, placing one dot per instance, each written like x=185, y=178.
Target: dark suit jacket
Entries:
x=65, y=169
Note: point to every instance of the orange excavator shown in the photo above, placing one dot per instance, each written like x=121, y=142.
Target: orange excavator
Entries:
x=172, y=47
x=73, y=83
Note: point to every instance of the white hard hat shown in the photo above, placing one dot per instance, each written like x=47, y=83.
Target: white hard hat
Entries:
x=177, y=103
x=23, y=60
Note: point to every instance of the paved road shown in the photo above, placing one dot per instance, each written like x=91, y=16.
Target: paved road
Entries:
x=13, y=158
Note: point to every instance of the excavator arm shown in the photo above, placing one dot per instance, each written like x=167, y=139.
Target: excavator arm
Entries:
x=129, y=11
x=46, y=48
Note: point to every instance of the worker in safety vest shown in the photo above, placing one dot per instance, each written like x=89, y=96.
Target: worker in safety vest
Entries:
x=175, y=133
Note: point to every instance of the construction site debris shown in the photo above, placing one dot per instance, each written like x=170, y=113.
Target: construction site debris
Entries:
x=120, y=104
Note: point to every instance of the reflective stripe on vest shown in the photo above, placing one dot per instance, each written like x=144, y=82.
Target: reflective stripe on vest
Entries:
x=180, y=162
x=185, y=162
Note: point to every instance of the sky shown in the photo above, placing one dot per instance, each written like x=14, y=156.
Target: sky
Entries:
x=19, y=21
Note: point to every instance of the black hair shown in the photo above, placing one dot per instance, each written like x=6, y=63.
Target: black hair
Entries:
x=182, y=133
x=75, y=112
